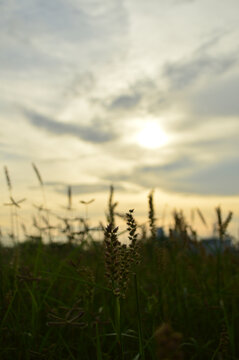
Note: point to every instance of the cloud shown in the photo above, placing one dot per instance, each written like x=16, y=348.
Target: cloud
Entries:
x=187, y=175
x=218, y=99
x=224, y=146
x=185, y=73
x=125, y=102
x=13, y=153
x=13, y=156
x=45, y=45
x=179, y=164
x=208, y=59
x=109, y=62
x=68, y=21
x=94, y=133
x=221, y=178
x=81, y=189
x=158, y=175
x=82, y=84
x=179, y=2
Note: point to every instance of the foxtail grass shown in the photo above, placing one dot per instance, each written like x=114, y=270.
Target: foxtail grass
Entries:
x=110, y=216
x=44, y=199
x=151, y=215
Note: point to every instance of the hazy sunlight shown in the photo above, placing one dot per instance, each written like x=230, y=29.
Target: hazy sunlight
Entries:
x=152, y=136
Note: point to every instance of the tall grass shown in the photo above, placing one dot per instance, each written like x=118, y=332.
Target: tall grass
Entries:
x=151, y=298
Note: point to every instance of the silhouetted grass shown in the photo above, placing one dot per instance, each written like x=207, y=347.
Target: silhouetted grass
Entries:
x=155, y=298
x=56, y=303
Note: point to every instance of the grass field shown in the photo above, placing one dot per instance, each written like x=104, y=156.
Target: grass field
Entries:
x=152, y=299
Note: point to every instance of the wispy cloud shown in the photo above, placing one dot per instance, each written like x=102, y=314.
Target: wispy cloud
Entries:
x=94, y=132
x=219, y=99
x=125, y=102
x=43, y=25
x=114, y=65
x=187, y=175
x=206, y=60
x=81, y=189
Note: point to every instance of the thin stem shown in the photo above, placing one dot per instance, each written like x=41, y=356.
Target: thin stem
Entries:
x=98, y=345
x=140, y=333
x=118, y=325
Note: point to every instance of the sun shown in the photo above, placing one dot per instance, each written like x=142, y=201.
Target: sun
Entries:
x=152, y=136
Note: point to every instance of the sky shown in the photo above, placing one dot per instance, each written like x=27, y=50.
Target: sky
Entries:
x=139, y=94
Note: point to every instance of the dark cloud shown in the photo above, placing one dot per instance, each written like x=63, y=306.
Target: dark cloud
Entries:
x=226, y=145
x=221, y=178
x=139, y=94
x=163, y=175
x=206, y=60
x=172, y=167
x=94, y=133
x=125, y=102
x=187, y=175
x=185, y=73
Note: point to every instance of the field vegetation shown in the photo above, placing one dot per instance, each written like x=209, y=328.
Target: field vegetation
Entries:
x=153, y=298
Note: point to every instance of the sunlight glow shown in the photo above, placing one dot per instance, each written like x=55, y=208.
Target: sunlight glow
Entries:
x=152, y=136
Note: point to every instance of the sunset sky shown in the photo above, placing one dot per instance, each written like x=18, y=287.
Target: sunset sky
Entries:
x=139, y=94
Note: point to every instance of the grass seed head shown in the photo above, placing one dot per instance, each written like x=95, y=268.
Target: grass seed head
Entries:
x=38, y=175
x=224, y=343
x=8, y=179
x=223, y=225
x=168, y=343
x=151, y=215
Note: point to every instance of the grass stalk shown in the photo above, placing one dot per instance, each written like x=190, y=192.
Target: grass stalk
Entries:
x=98, y=344
x=117, y=309
x=140, y=332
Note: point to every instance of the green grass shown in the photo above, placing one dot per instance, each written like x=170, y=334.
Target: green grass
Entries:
x=94, y=300
x=52, y=309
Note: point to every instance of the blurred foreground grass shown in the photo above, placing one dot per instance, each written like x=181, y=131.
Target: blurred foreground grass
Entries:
x=158, y=297
x=56, y=303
